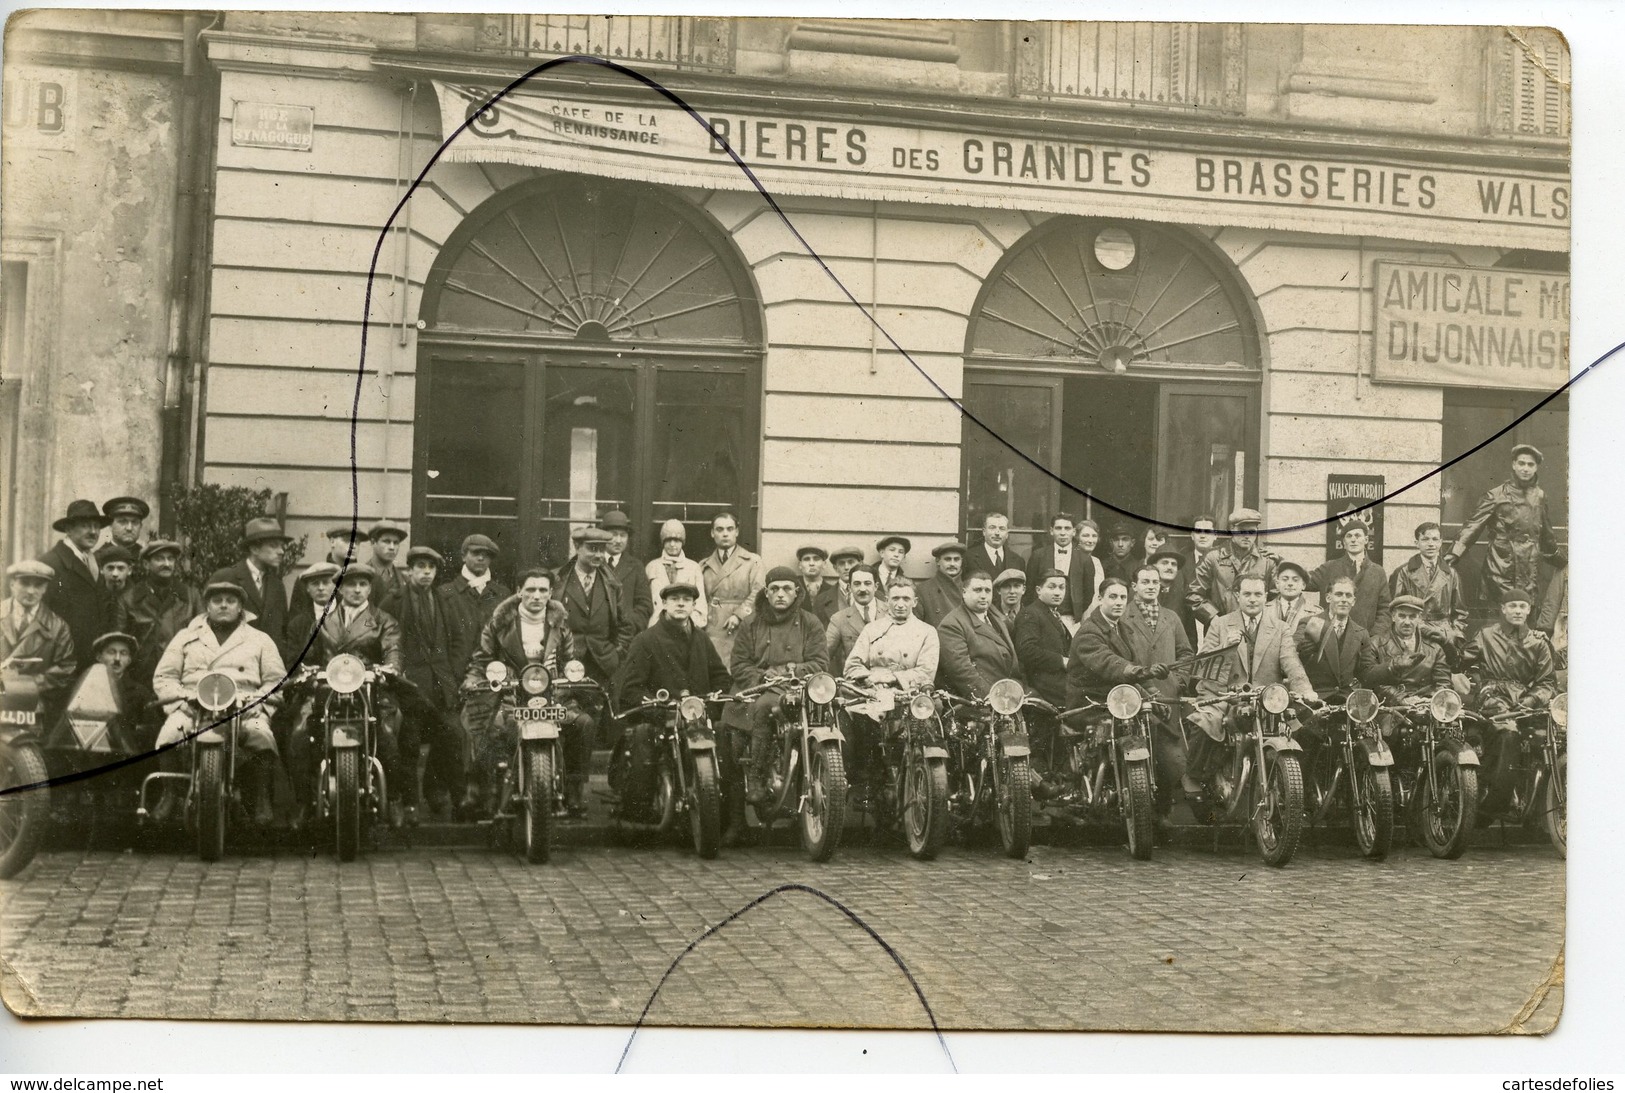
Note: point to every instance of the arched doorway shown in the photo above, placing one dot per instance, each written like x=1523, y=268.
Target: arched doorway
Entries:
x=586, y=345
x=1123, y=356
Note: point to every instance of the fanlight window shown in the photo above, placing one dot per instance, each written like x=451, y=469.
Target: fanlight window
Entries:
x=1112, y=296
x=592, y=264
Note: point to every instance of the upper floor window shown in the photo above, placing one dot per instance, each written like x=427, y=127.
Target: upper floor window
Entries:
x=1530, y=80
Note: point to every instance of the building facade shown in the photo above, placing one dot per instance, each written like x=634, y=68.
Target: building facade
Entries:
x=907, y=273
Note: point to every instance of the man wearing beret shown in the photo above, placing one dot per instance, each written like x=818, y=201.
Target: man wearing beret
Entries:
x=76, y=595
x=125, y=518
x=1213, y=587
x=1516, y=521
x=259, y=575
x=733, y=576
x=819, y=594
x=780, y=638
x=1512, y=669
x=468, y=600
x=942, y=593
x=34, y=641
x=390, y=576
x=1370, y=579
x=115, y=564
x=155, y=607
x=1428, y=578
x=636, y=601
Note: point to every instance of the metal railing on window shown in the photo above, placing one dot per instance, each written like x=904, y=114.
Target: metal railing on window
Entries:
x=1169, y=66
x=664, y=41
x=1530, y=81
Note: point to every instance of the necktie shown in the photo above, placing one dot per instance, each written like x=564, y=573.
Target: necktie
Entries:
x=1250, y=628
x=998, y=560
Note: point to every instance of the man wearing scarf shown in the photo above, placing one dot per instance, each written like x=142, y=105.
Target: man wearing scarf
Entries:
x=469, y=598
x=780, y=638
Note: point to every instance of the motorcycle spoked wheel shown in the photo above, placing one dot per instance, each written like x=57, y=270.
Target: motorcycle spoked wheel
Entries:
x=1013, y=802
x=1373, y=820
x=705, y=806
x=1278, y=819
x=1139, y=817
x=210, y=796
x=1445, y=825
x=536, y=833
x=1555, y=801
x=23, y=816
x=347, y=802
x=924, y=803
x=824, y=818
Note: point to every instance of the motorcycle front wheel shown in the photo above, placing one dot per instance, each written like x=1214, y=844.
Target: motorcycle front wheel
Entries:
x=210, y=794
x=1556, y=804
x=705, y=806
x=1138, y=816
x=23, y=816
x=347, y=802
x=1374, y=812
x=1278, y=818
x=1014, y=801
x=538, y=803
x=825, y=814
x=1445, y=821
x=925, y=805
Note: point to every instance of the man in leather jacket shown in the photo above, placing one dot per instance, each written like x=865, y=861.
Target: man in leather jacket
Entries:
x=1512, y=670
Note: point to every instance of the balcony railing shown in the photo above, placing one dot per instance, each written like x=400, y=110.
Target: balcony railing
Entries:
x=659, y=41
x=1530, y=80
x=1168, y=66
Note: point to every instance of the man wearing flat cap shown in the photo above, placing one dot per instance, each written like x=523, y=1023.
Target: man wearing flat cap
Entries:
x=600, y=630
x=390, y=575
x=845, y=559
x=673, y=566
x=34, y=641
x=469, y=599
x=342, y=541
x=637, y=603
x=1516, y=523
x=313, y=590
x=893, y=551
x=819, y=594
x=1409, y=665
x=156, y=606
x=259, y=575
x=426, y=663
x=942, y=593
x=1213, y=587
x=733, y=576
x=1009, y=590
x=76, y=595
x=1512, y=669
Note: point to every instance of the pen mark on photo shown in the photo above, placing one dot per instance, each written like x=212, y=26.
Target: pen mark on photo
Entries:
x=857, y=919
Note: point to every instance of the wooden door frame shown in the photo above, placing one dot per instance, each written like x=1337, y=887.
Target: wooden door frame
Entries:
x=1251, y=415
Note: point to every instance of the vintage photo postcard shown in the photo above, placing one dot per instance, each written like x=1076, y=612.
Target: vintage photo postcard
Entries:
x=678, y=520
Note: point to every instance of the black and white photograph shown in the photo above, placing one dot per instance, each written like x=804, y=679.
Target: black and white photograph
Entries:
x=797, y=523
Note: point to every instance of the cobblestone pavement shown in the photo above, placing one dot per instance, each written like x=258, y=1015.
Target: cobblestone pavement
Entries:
x=1071, y=938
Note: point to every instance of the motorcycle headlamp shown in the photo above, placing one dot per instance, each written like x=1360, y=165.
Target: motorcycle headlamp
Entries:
x=534, y=679
x=1445, y=705
x=1559, y=707
x=216, y=691
x=821, y=688
x=692, y=708
x=1275, y=698
x=1124, y=701
x=1005, y=697
x=922, y=707
x=346, y=673
x=574, y=671
x=496, y=672
x=1361, y=706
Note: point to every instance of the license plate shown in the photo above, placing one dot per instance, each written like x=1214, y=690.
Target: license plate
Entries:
x=539, y=713
x=18, y=717
x=538, y=730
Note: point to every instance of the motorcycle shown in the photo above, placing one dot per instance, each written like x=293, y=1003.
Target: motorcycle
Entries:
x=1107, y=766
x=915, y=762
x=211, y=776
x=530, y=790
x=809, y=779
x=1264, y=776
x=1436, y=778
x=1540, y=776
x=24, y=813
x=1355, y=760
x=349, y=789
x=990, y=764
x=685, y=774
x=95, y=733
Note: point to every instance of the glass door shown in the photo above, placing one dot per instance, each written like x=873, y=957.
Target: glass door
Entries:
x=1207, y=451
x=588, y=451
x=701, y=457
x=1021, y=417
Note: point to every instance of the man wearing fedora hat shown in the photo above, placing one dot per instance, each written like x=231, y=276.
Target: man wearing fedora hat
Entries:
x=34, y=640
x=673, y=566
x=259, y=575
x=156, y=605
x=76, y=595
x=636, y=602
x=389, y=575
x=1214, y=584
x=942, y=593
x=1516, y=523
x=732, y=577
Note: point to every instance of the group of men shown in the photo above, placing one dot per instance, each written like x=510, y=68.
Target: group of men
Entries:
x=1068, y=623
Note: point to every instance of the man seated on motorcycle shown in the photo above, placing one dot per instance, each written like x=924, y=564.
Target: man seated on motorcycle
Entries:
x=221, y=640
x=674, y=656
x=780, y=638
x=34, y=640
x=1512, y=670
x=1408, y=664
x=1261, y=652
x=899, y=650
x=530, y=628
